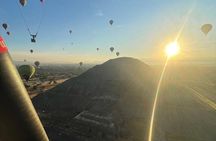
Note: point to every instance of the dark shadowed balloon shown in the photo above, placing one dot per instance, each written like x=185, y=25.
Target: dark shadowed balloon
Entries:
x=70, y=31
x=5, y=26
x=112, y=49
x=37, y=63
x=31, y=50
x=23, y=2
x=117, y=53
x=111, y=22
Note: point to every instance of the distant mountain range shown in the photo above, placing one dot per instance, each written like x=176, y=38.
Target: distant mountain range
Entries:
x=108, y=102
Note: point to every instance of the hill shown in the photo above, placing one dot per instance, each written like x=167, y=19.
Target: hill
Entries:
x=109, y=101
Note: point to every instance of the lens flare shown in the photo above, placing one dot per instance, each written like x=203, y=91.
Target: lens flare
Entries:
x=172, y=49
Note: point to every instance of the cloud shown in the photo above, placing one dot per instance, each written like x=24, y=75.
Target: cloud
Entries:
x=99, y=13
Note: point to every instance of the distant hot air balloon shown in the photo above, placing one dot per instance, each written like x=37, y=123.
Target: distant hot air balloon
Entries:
x=24, y=60
x=206, y=28
x=117, y=53
x=111, y=22
x=81, y=63
x=112, y=49
x=23, y=2
x=31, y=50
x=97, y=49
x=41, y=1
x=5, y=26
x=26, y=71
x=37, y=63
x=70, y=31
x=8, y=33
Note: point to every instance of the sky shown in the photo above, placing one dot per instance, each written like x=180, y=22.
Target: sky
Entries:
x=141, y=29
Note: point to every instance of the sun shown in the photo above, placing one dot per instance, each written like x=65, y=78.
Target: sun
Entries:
x=172, y=49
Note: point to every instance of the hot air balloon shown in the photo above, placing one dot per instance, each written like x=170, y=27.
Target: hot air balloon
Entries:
x=32, y=35
x=31, y=50
x=23, y=2
x=24, y=60
x=111, y=22
x=70, y=31
x=37, y=63
x=81, y=63
x=8, y=33
x=206, y=28
x=97, y=49
x=112, y=49
x=5, y=26
x=33, y=39
x=26, y=71
x=117, y=53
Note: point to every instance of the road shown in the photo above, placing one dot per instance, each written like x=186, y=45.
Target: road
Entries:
x=45, y=86
x=185, y=113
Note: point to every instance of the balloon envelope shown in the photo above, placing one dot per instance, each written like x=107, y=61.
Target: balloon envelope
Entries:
x=37, y=63
x=117, y=53
x=111, y=22
x=112, y=49
x=23, y=2
x=206, y=28
x=26, y=71
x=4, y=25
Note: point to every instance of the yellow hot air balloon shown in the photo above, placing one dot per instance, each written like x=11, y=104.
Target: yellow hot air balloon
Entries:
x=26, y=71
x=206, y=28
